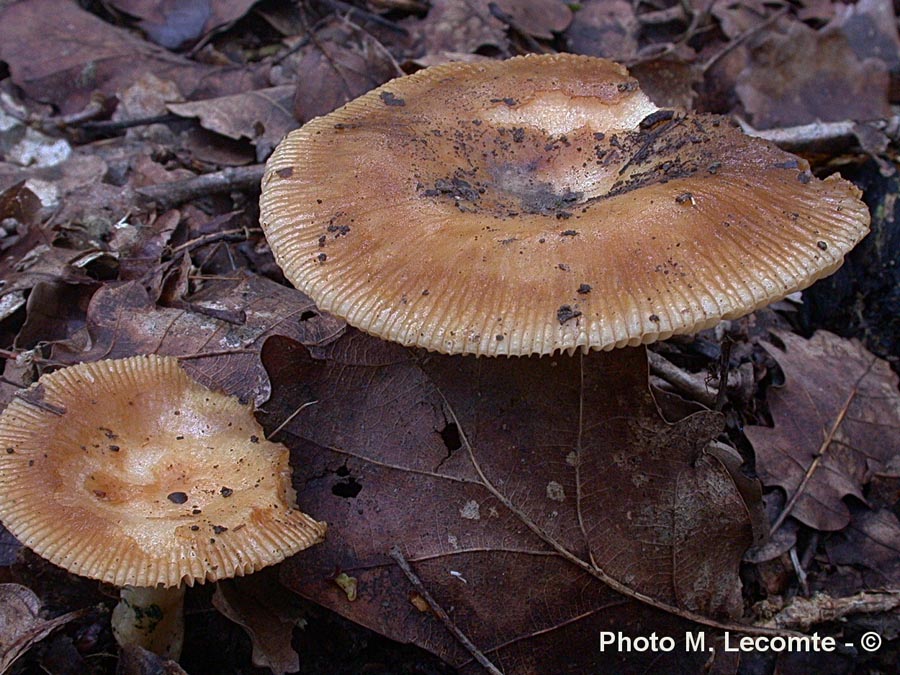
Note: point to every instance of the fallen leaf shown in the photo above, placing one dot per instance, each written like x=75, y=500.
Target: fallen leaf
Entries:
x=870, y=28
x=20, y=624
x=508, y=485
x=453, y=26
x=134, y=660
x=263, y=116
x=176, y=23
x=258, y=604
x=20, y=204
x=9, y=547
x=782, y=540
x=146, y=97
x=737, y=17
x=608, y=29
x=836, y=418
x=54, y=312
x=871, y=542
x=218, y=338
x=800, y=75
x=341, y=63
x=79, y=54
x=669, y=81
x=540, y=18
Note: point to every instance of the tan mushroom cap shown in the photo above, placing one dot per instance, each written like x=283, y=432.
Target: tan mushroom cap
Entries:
x=130, y=472
x=541, y=204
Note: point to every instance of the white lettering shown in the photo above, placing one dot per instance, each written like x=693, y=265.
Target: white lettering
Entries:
x=695, y=642
x=780, y=643
x=607, y=637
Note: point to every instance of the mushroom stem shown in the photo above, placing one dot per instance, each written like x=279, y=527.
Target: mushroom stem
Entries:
x=152, y=618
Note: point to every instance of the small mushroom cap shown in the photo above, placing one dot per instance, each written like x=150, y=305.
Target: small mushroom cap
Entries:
x=542, y=204
x=130, y=472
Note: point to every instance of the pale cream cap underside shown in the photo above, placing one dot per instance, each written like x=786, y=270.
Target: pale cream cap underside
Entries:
x=130, y=472
x=520, y=207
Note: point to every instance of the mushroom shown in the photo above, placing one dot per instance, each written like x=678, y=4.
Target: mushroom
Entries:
x=543, y=204
x=130, y=472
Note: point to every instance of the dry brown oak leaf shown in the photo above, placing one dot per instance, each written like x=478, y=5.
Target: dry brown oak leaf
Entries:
x=218, y=340
x=58, y=53
x=20, y=623
x=522, y=492
x=837, y=421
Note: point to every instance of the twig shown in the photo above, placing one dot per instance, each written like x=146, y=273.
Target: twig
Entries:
x=114, y=126
x=214, y=353
x=365, y=15
x=290, y=418
x=803, y=613
x=214, y=236
x=94, y=108
x=35, y=397
x=660, y=16
x=724, y=360
x=695, y=387
x=167, y=195
x=822, y=136
x=441, y=613
x=801, y=573
x=743, y=37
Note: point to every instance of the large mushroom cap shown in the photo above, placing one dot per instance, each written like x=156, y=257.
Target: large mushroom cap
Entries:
x=130, y=472
x=540, y=204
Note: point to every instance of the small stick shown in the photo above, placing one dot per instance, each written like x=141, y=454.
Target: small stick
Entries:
x=822, y=136
x=724, y=359
x=114, y=126
x=803, y=613
x=290, y=418
x=743, y=37
x=167, y=195
x=215, y=236
x=662, y=367
x=403, y=564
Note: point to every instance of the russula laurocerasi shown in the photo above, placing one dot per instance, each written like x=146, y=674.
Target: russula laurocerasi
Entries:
x=130, y=472
x=543, y=204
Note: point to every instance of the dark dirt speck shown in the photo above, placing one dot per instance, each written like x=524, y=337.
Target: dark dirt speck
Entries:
x=566, y=313
x=389, y=99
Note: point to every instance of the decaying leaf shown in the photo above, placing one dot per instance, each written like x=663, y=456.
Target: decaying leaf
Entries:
x=134, y=660
x=540, y=18
x=259, y=605
x=262, y=116
x=9, y=547
x=870, y=27
x=174, y=23
x=453, y=26
x=514, y=488
x=871, y=542
x=837, y=420
x=608, y=29
x=219, y=335
x=80, y=54
x=801, y=75
x=342, y=63
x=20, y=623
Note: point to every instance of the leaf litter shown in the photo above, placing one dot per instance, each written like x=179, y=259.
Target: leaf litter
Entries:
x=525, y=468
x=534, y=517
